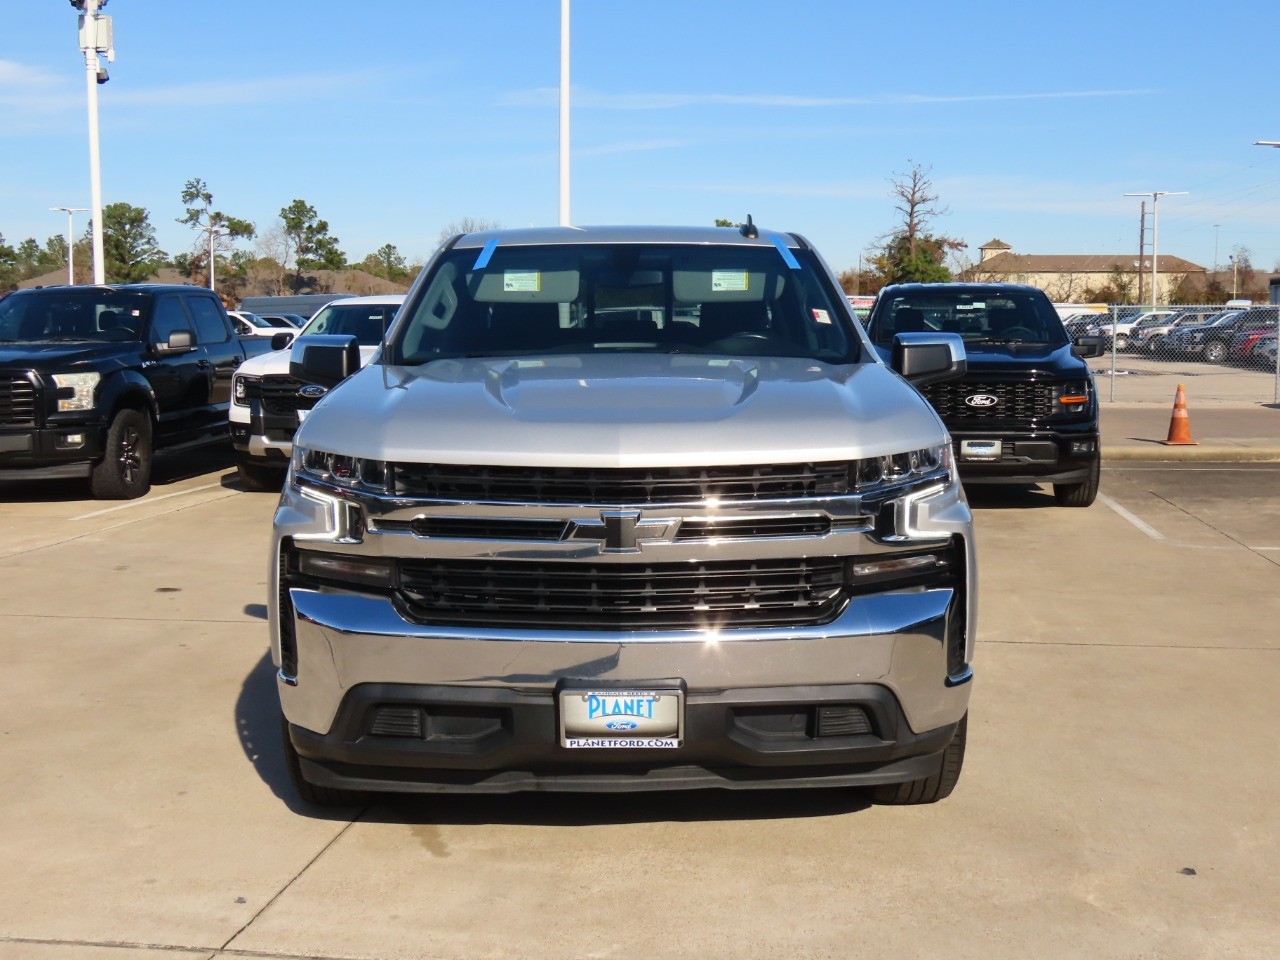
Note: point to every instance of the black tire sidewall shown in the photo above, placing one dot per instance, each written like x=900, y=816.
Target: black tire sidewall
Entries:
x=107, y=480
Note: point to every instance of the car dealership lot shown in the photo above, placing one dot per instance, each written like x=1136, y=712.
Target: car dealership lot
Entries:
x=1117, y=799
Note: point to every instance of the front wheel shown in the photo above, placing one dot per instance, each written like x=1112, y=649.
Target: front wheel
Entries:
x=125, y=470
x=1079, y=494
x=1215, y=352
x=1122, y=342
x=934, y=788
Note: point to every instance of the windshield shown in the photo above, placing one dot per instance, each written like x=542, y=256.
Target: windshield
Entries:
x=73, y=315
x=626, y=298
x=978, y=316
x=364, y=321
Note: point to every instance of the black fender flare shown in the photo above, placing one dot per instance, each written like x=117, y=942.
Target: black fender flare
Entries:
x=128, y=388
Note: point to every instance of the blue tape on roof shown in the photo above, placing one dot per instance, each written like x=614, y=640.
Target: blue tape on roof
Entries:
x=482, y=261
x=787, y=256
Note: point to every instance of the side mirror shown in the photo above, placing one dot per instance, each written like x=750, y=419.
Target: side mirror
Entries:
x=324, y=359
x=179, y=342
x=1086, y=348
x=924, y=358
x=281, y=340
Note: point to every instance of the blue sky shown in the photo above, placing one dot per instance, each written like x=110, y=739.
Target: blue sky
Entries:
x=393, y=119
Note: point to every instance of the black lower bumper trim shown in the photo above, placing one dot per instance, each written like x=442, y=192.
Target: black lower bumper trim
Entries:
x=507, y=740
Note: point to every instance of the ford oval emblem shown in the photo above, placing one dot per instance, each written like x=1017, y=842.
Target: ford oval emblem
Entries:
x=312, y=391
x=621, y=724
x=981, y=400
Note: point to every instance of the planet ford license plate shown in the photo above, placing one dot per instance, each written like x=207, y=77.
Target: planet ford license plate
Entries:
x=621, y=719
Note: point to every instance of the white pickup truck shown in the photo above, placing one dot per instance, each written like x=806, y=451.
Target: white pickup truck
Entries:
x=268, y=404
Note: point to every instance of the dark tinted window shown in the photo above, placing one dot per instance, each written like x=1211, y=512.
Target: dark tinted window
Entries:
x=365, y=322
x=209, y=323
x=91, y=314
x=727, y=300
x=168, y=317
x=977, y=315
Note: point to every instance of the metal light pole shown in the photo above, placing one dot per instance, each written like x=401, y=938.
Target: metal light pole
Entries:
x=1276, y=395
x=95, y=42
x=1235, y=274
x=1155, y=196
x=71, y=245
x=564, y=113
x=213, y=233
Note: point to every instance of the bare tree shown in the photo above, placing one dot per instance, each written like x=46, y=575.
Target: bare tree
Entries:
x=466, y=225
x=274, y=250
x=915, y=200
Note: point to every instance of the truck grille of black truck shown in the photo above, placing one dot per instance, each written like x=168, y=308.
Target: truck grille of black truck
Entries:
x=1014, y=401
x=280, y=395
x=622, y=596
x=17, y=402
x=732, y=484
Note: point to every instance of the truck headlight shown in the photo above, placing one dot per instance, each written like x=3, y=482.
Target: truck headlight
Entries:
x=344, y=471
x=1071, y=397
x=897, y=469
x=82, y=386
x=242, y=388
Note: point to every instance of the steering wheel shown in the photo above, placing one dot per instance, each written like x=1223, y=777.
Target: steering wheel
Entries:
x=1017, y=333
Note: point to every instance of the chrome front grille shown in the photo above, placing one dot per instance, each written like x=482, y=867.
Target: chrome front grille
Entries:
x=647, y=486
x=17, y=402
x=588, y=596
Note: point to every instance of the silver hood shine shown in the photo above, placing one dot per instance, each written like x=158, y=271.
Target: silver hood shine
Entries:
x=622, y=410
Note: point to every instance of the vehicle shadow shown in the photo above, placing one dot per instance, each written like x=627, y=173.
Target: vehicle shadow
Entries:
x=1009, y=497
x=166, y=469
x=257, y=720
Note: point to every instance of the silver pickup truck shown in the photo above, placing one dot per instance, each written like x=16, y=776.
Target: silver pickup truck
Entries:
x=623, y=509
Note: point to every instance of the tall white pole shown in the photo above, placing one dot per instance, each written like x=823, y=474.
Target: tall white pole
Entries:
x=91, y=67
x=564, y=113
x=1155, y=196
x=1276, y=394
x=71, y=247
x=211, y=235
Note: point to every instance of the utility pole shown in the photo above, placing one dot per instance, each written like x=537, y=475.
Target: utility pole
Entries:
x=1276, y=396
x=1155, y=196
x=96, y=42
x=71, y=244
x=1142, y=248
x=564, y=113
x=1215, y=246
x=214, y=232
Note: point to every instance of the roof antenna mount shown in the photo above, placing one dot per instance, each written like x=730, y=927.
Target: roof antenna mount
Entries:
x=748, y=229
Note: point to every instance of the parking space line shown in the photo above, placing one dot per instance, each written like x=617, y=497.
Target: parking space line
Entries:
x=143, y=502
x=1142, y=525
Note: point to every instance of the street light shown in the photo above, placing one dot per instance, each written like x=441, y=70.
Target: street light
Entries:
x=71, y=246
x=214, y=232
x=1235, y=274
x=564, y=113
x=1276, y=394
x=1155, y=196
x=96, y=42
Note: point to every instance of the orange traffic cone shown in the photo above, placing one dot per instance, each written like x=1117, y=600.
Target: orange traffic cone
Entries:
x=1180, y=423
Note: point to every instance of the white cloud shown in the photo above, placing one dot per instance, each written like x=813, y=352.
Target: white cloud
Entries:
x=586, y=98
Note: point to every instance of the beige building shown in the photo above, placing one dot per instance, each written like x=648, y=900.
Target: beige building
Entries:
x=1067, y=277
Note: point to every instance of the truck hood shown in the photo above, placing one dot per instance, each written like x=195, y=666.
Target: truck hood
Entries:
x=621, y=410
x=49, y=356
x=991, y=358
x=277, y=362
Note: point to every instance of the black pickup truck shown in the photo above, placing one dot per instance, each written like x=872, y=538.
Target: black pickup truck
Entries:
x=93, y=379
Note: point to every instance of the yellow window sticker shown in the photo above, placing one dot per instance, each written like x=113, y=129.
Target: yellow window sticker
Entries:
x=729, y=281
x=521, y=281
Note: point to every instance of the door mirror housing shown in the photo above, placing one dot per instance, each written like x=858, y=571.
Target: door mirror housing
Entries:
x=281, y=340
x=180, y=341
x=1086, y=348
x=324, y=359
x=924, y=358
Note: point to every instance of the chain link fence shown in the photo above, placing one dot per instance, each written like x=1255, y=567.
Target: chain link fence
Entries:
x=1223, y=353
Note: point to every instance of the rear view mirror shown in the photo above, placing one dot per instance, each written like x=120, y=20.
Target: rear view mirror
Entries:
x=281, y=340
x=1086, y=348
x=179, y=342
x=324, y=359
x=924, y=358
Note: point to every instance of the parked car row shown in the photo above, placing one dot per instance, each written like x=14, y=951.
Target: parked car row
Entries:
x=1195, y=333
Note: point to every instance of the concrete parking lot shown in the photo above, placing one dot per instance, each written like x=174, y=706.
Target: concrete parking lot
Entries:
x=1118, y=798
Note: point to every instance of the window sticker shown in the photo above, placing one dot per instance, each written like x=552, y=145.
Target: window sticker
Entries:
x=728, y=281
x=521, y=281
x=822, y=316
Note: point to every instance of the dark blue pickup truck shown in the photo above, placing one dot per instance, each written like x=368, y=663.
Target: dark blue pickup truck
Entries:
x=94, y=379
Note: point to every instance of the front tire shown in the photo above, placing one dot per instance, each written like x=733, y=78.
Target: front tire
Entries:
x=259, y=477
x=1215, y=352
x=1079, y=494
x=934, y=788
x=125, y=470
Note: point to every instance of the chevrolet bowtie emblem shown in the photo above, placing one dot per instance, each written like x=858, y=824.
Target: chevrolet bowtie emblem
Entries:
x=622, y=531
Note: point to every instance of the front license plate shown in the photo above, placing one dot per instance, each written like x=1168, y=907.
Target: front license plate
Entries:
x=980, y=450
x=621, y=719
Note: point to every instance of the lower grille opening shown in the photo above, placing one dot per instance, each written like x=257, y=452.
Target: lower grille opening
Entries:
x=841, y=721
x=435, y=723
x=803, y=722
